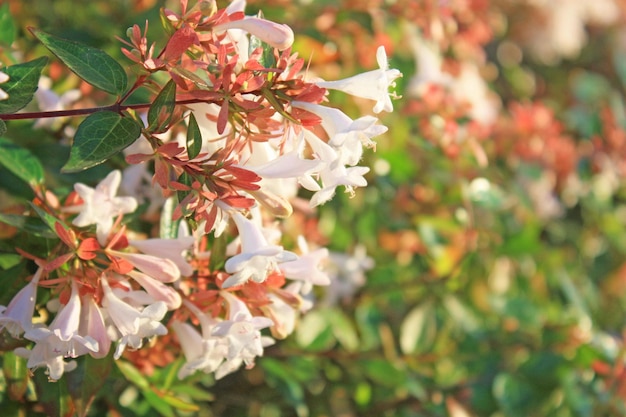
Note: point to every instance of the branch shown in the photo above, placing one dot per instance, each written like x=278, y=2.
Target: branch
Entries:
x=117, y=108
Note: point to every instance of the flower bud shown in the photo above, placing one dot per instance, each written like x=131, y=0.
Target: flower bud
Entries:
x=277, y=35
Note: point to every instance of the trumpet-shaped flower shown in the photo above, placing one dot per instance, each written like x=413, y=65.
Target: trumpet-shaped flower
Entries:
x=347, y=136
x=373, y=85
x=257, y=258
x=172, y=249
x=202, y=352
x=307, y=267
x=131, y=323
x=17, y=317
x=279, y=36
x=61, y=340
x=242, y=332
x=100, y=205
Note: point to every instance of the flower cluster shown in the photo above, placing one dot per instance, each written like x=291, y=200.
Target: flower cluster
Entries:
x=220, y=167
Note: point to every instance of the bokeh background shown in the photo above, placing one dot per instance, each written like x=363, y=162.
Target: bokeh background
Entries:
x=482, y=272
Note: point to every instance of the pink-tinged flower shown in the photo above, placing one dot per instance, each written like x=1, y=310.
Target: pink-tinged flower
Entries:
x=133, y=324
x=257, y=258
x=277, y=35
x=242, y=331
x=163, y=269
x=172, y=249
x=101, y=206
x=61, y=340
x=347, y=136
x=157, y=290
x=17, y=317
x=92, y=324
x=307, y=267
x=373, y=85
x=3, y=79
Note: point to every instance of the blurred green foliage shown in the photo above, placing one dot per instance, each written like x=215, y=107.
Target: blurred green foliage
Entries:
x=477, y=304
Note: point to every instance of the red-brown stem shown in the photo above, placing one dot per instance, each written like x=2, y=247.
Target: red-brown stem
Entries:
x=117, y=108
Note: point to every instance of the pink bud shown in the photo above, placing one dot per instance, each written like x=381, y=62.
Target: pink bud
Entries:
x=277, y=35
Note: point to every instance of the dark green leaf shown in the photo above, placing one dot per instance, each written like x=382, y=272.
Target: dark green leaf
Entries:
x=21, y=162
x=86, y=380
x=100, y=136
x=194, y=137
x=31, y=225
x=22, y=84
x=161, y=110
x=3, y=127
x=48, y=218
x=53, y=396
x=7, y=26
x=91, y=64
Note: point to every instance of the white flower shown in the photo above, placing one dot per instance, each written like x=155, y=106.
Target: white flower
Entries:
x=349, y=177
x=61, y=340
x=132, y=324
x=277, y=35
x=257, y=258
x=347, y=274
x=373, y=85
x=202, y=352
x=3, y=79
x=307, y=267
x=347, y=136
x=242, y=332
x=100, y=205
x=17, y=317
x=48, y=100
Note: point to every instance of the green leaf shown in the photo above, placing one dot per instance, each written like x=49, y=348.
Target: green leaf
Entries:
x=3, y=127
x=48, y=218
x=16, y=375
x=31, y=225
x=7, y=26
x=514, y=395
x=418, y=330
x=22, y=84
x=194, y=137
x=86, y=381
x=21, y=162
x=343, y=329
x=100, y=136
x=168, y=228
x=161, y=111
x=179, y=404
x=9, y=260
x=91, y=64
x=53, y=396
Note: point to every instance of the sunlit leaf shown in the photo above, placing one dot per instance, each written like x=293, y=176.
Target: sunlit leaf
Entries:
x=162, y=109
x=22, y=84
x=194, y=137
x=418, y=329
x=91, y=64
x=21, y=162
x=16, y=375
x=99, y=137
